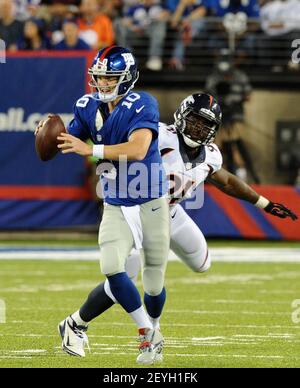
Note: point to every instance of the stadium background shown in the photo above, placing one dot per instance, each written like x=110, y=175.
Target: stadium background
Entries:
x=36, y=195
x=49, y=210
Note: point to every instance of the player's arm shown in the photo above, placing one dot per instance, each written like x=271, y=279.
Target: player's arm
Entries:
x=135, y=149
x=232, y=185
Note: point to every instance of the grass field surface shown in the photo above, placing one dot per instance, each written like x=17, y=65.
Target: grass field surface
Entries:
x=236, y=315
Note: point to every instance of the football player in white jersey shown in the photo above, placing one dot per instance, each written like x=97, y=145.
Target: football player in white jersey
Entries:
x=190, y=157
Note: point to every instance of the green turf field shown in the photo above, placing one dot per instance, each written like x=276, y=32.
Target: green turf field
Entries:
x=237, y=315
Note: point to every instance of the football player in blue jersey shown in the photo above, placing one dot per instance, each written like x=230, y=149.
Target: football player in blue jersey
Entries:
x=196, y=123
x=124, y=129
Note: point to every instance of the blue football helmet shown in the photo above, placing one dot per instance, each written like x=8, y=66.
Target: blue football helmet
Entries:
x=116, y=62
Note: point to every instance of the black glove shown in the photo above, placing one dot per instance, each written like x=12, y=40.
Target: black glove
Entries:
x=279, y=210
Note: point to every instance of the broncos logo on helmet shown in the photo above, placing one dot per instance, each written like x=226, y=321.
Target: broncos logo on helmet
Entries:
x=113, y=62
x=198, y=119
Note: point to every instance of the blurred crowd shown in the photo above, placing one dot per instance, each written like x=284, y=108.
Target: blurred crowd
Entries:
x=92, y=24
x=163, y=31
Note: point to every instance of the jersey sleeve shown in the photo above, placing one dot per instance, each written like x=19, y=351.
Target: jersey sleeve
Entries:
x=214, y=158
x=167, y=136
x=78, y=127
x=146, y=115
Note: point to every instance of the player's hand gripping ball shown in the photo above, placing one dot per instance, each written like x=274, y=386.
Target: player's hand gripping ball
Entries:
x=46, y=137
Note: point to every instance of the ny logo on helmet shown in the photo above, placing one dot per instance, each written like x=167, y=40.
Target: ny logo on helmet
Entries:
x=129, y=60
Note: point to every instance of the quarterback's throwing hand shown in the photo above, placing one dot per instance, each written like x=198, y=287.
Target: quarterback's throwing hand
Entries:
x=69, y=144
x=279, y=210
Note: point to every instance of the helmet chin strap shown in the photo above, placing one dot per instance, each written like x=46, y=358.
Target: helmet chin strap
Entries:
x=190, y=143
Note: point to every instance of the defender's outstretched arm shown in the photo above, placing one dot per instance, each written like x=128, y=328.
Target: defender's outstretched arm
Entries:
x=235, y=187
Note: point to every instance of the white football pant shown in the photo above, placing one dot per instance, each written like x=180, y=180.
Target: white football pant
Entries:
x=187, y=242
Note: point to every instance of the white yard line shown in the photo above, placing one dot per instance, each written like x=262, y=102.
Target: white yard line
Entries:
x=28, y=351
x=129, y=347
x=15, y=357
x=237, y=339
x=167, y=311
x=264, y=255
x=210, y=355
x=179, y=325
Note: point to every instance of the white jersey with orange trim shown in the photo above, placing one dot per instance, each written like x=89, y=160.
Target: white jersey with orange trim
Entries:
x=185, y=175
x=187, y=240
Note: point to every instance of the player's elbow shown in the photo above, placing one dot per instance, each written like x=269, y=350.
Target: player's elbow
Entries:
x=140, y=142
x=140, y=156
x=135, y=157
x=140, y=153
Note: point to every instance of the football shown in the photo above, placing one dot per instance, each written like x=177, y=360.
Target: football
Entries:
x=46, y=140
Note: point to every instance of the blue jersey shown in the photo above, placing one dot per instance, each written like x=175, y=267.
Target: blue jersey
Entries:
x=123, y=183
x=222, y=7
